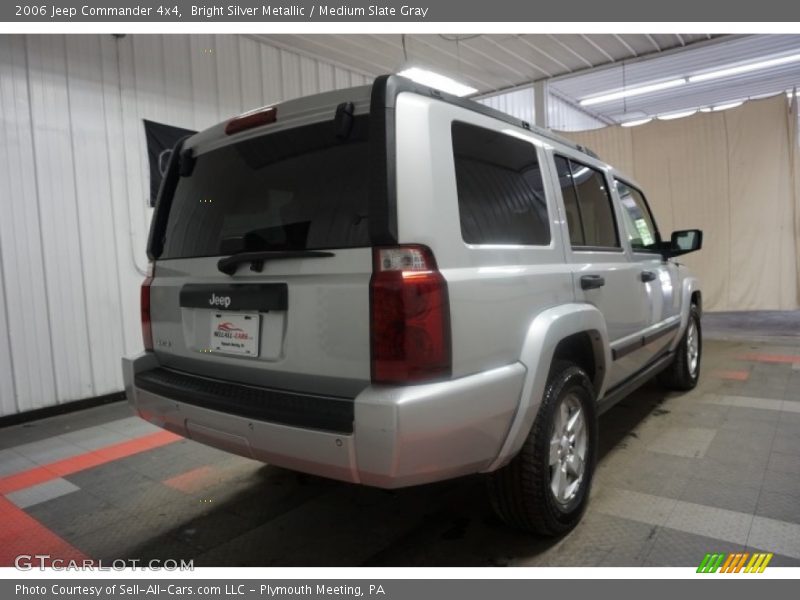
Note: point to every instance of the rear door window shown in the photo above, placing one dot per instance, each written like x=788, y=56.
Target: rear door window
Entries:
x=297, y=189
x=501, y=197
x=590, y=214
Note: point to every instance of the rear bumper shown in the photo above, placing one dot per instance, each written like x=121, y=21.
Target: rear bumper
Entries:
x=400, y=436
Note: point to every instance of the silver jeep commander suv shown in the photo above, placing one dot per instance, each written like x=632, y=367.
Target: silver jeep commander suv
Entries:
x=391, y=286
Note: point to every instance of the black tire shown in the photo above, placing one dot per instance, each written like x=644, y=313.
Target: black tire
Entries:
x=679, y=376
x=520, y=492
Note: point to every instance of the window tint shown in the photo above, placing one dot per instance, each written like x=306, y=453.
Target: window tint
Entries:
x=639, y=225
x=590, y=216
x=296, y=189
x=500, y=193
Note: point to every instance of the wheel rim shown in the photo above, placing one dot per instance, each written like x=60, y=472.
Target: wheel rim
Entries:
x=692, y=348
x=567, y=449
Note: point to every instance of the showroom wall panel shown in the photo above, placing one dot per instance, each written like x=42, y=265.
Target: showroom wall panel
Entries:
x=564, y=116
x=74, y=186
x=561, y=115
x=517, y=102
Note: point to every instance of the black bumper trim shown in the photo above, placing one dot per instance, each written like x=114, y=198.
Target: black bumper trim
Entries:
x=262, y=404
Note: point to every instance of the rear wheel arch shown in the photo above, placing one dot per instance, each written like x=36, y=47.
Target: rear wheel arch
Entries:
x=545, y=488
x=583, y=327
x=584, y=349
x=697, y=300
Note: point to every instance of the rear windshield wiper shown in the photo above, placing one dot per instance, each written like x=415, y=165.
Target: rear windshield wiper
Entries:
x=228, y=264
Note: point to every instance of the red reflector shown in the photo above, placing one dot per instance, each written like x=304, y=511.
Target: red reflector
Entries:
x=410, y=317
x=252, y=119
x=147, y=330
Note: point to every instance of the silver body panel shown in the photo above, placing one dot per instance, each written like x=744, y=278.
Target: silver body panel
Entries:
x=403, y=435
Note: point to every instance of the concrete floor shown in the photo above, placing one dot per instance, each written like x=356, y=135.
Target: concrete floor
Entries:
x=778, y=326
x=680, y=475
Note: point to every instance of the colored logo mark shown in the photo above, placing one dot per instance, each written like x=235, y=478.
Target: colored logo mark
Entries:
x=735, y=562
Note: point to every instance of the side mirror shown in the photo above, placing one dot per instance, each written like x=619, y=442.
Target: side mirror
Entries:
x=683, y=242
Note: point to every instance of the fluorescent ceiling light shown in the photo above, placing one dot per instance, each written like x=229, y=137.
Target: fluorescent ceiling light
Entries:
x=677, y=115
x=440, y=82
x=632, y=115
x=727, y=105
x=634, y=91
x=637, y=122
x=737, y=70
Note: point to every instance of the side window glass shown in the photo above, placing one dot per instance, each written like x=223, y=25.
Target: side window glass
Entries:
x=590, y=215
x=639, y=225
x=500, y=192
x=570, y=201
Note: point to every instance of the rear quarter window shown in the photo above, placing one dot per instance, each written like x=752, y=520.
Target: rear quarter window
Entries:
x=500, y=192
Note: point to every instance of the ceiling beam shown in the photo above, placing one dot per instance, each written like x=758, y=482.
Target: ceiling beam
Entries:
x=520, y=58
x=627, y=45
x=598, y=48
x=580, y=57
x=652, y=55
x=653, y=41
x=525, y=76
x=460, y=59
x=536, y=48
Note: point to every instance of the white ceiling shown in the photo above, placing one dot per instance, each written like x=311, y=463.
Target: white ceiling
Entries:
x=577, y=66
x=485, y=62
x=724, y=52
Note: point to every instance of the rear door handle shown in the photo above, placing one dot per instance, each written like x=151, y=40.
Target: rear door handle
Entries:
x=592, y=282
x=648, y=276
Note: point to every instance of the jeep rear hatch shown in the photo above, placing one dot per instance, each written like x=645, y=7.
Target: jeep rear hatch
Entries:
x=262, y=246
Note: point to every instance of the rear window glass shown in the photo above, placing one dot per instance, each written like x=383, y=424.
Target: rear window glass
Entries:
x=298, y=189
x=500, y=193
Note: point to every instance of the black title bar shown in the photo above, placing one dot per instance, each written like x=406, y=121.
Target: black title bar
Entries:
x=439, y=11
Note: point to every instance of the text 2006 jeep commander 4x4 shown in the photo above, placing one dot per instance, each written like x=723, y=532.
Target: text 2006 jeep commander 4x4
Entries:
x=391, y=286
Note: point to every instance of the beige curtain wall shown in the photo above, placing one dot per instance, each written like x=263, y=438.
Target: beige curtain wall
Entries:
x=735, y=174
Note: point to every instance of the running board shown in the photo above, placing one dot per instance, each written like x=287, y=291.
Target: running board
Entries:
x=636, y=381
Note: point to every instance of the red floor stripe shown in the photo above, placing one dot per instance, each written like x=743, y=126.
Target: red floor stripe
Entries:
x=732, y=375
x=21, y=534
x=67, y=466
x=771, y=358
x=194, y=480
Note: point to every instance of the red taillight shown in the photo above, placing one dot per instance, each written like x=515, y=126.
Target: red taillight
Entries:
x=147, y=330
x=257, y=118
x=409, y=317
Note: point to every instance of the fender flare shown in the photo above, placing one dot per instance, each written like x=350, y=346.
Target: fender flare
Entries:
x=543, y=336
x=690, y=286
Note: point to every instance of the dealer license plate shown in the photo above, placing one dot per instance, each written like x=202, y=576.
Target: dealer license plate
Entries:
x=233, y=333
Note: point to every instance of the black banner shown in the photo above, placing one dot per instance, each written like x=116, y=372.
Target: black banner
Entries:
x=161, y=139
